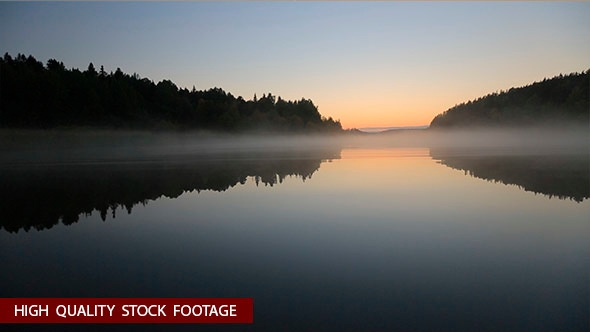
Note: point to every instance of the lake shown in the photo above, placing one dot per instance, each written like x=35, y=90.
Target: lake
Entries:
x=337, y=237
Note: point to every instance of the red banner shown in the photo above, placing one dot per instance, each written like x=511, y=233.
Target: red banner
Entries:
x=126, y=310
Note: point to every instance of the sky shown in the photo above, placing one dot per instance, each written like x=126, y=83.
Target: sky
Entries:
x=376, y=64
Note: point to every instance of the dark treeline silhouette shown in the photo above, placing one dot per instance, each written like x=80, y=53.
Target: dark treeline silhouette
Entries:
x=40, y=196
x=560, y=175
x=559, y=99
x=33, y=95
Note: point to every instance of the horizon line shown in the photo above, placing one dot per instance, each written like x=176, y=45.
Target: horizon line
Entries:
x=377, y=129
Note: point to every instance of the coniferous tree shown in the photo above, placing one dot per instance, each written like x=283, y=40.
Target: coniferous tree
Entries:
x=91, y=70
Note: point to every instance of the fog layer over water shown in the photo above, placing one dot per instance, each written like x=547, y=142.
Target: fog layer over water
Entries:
x=38, y=146
x=414, y=230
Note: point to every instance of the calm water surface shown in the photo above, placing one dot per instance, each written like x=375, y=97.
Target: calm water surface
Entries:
x=407, y=239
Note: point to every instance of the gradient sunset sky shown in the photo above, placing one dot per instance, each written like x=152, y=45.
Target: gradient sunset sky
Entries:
x=368, y=64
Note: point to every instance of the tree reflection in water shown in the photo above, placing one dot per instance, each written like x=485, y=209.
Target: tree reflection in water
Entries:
x=40, y=196
x=563, y=175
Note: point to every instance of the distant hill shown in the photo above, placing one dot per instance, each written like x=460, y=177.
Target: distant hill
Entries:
x=551, y=101
x=34, y=95
x=389, y=129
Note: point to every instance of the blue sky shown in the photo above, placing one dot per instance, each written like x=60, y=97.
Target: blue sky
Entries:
x=369, y=64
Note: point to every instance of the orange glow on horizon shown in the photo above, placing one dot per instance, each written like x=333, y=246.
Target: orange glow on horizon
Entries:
x=380, y=101
x=382, y=115
x=401, y=105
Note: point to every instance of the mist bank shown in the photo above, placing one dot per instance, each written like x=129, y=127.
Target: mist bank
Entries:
x=23, y=147
x=571, y=136
x=561, y=99
x=42, y=146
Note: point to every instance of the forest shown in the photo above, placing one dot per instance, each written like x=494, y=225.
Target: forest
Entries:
x=561, y=99
x=34, y=95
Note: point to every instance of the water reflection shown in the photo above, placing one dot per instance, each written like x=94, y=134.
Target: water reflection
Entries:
x=40, y=196
x=378, y=239
x=562, y=174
